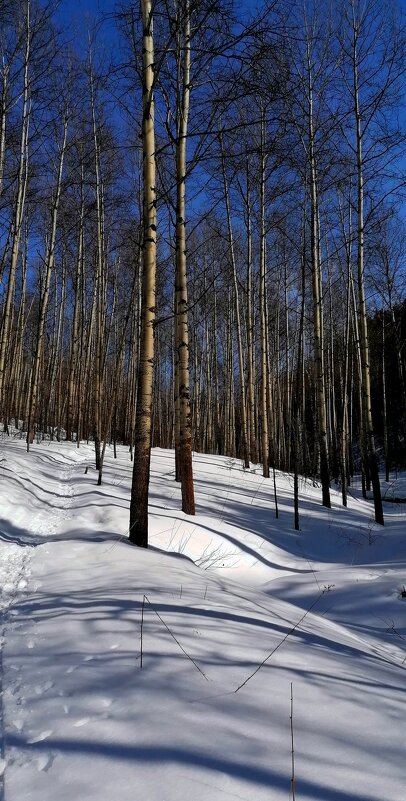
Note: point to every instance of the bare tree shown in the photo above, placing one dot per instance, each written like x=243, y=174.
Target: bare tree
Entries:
x=143, y=422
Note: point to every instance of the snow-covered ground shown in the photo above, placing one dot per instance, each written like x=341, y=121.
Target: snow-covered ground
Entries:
x=225, y=591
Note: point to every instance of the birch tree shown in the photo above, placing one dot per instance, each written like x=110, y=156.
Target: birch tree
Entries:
x=181, y=301
x=143, y=423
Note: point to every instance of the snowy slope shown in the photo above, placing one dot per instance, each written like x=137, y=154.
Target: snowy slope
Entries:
x=82, y=720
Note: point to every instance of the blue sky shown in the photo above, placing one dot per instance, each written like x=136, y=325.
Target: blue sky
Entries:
x=77, y=17
x=78, y=9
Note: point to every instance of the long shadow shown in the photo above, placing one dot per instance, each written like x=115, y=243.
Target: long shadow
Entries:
x=10, y=533
x=22, y=483
x=183, y=757
x=94, y=605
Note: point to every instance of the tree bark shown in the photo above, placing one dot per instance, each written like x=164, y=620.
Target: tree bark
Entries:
x=138, y=533
x=181, y=302
x=262, y=310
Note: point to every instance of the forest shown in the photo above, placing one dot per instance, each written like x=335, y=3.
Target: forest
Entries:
x=202, y=236
x=202, y=354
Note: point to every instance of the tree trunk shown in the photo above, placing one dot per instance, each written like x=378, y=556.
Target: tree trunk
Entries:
x=182, y=332
x=250, y=329
x=243, y=406
x=138, y=533
x=365, y=363
x=317, y=311
x=262, y=311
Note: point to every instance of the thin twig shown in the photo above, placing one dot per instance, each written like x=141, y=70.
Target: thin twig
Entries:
x=142, y=625
x=292, y=780
x=279, y=644
x=174, y=638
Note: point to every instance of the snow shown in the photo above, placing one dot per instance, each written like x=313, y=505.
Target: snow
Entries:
x=223, y=592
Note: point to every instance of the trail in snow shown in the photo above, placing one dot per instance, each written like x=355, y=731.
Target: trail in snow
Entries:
x=16, y=554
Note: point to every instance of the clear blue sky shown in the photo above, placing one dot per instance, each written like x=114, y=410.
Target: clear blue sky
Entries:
x=78, y=9
x=77, y=17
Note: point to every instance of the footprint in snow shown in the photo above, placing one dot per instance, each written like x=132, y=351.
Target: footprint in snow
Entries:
x=10, y=692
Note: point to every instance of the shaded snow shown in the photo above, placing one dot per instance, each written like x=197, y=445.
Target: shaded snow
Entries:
x=82, y=720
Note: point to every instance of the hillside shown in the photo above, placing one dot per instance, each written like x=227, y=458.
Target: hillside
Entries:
x=225, y=591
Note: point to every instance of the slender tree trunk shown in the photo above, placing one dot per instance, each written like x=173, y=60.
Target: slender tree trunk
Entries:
x=250, y=329
x=55, y=361
x=3, y=113
x=181, y=302
x=99, y=282
x=317, y=310
x=384, y=405
x=344, y=432
x=262, y=309
x=143, y=424
x=243, y=407
x=365, y=360
x=75, y=322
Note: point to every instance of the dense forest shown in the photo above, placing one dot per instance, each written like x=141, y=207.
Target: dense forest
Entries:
x=202, y=239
